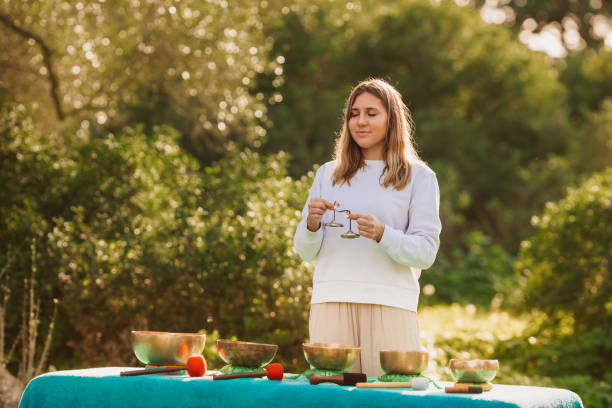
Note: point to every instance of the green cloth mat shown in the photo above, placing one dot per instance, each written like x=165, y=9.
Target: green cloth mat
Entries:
x=104, y=388
x=403, y=378
x=231, y=369
x=396, y=377
x=326, y=373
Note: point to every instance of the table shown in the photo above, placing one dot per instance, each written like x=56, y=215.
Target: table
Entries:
x=103, y=387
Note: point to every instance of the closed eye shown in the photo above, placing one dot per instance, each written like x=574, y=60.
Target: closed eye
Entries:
x=353, y=114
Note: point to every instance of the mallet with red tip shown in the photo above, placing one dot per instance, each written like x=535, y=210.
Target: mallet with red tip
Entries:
x=196, y=367
x=273, y=371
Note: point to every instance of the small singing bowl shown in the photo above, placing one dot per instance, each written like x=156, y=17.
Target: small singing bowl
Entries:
x=407, y=362
x=246, y=354
x=163, y=348
x=326, y=356
x=473, y=370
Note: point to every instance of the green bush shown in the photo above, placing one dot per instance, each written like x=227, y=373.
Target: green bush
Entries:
x=134, y=235
x=457, y=331
x=565, y=273
x=477, y=271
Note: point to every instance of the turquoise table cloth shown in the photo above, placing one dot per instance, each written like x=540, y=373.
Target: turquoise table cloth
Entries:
x=103, y=387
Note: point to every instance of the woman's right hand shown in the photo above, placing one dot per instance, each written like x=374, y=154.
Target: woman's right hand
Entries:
x=316, y=208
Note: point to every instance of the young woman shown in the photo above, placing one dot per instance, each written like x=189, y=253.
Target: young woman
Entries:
x=366, y=290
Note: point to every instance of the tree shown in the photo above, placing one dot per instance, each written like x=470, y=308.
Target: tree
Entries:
x=485, y=107
x=592, y=150
x=565, y=272
x=588, y=78
x=581, y=16
x=108, y=64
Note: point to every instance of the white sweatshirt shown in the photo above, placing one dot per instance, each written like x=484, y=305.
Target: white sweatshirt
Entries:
x=361, y=270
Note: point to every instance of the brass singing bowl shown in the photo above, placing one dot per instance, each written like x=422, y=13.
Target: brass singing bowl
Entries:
x=473, y=370
x=163, y=348
x=327, y=356
x=246, y=354
x=407, y=362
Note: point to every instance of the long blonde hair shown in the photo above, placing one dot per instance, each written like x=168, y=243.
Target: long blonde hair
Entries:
x=399, y=149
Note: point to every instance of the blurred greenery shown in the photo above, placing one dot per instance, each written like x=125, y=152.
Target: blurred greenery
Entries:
x=467, y=331
x=130, y=226
x=480, y=274
x=565, y=272
x=158, y=154
x=579, y=16
x=116, y=63
x=479, y=94
x=587, y=77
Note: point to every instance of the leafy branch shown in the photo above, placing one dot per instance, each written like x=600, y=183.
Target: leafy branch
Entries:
x=47, y=54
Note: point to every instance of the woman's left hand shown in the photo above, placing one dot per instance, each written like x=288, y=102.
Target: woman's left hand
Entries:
x=369, y=226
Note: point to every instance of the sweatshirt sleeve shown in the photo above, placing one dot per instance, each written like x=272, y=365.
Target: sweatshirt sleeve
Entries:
x=418, y=245
x=307, y=243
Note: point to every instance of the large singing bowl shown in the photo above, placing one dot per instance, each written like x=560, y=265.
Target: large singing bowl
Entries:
x=326, y=356
x=407, y=362
x=246, y=354
x=477, y=371
x=163, y=348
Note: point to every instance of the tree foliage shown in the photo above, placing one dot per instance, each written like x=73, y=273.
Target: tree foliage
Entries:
x=134, y=235
x=112, y=168
x=588, y=78
x=186, y=64
x=485, y=107
x=479, y=274
x=582, y=16
x=592, y=150
x=565, y=269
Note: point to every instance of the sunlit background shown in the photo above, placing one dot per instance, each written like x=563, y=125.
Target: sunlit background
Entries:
x=155, y=156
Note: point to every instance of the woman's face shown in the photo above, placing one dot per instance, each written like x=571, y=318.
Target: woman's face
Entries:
x=368, y=125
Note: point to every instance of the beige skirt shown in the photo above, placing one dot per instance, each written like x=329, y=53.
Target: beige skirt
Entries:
x=371, y=327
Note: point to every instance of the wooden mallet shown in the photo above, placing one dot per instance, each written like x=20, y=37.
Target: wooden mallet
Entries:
x=274, y=371
x=340, y=379
x=196, y=367
x=464, y=389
